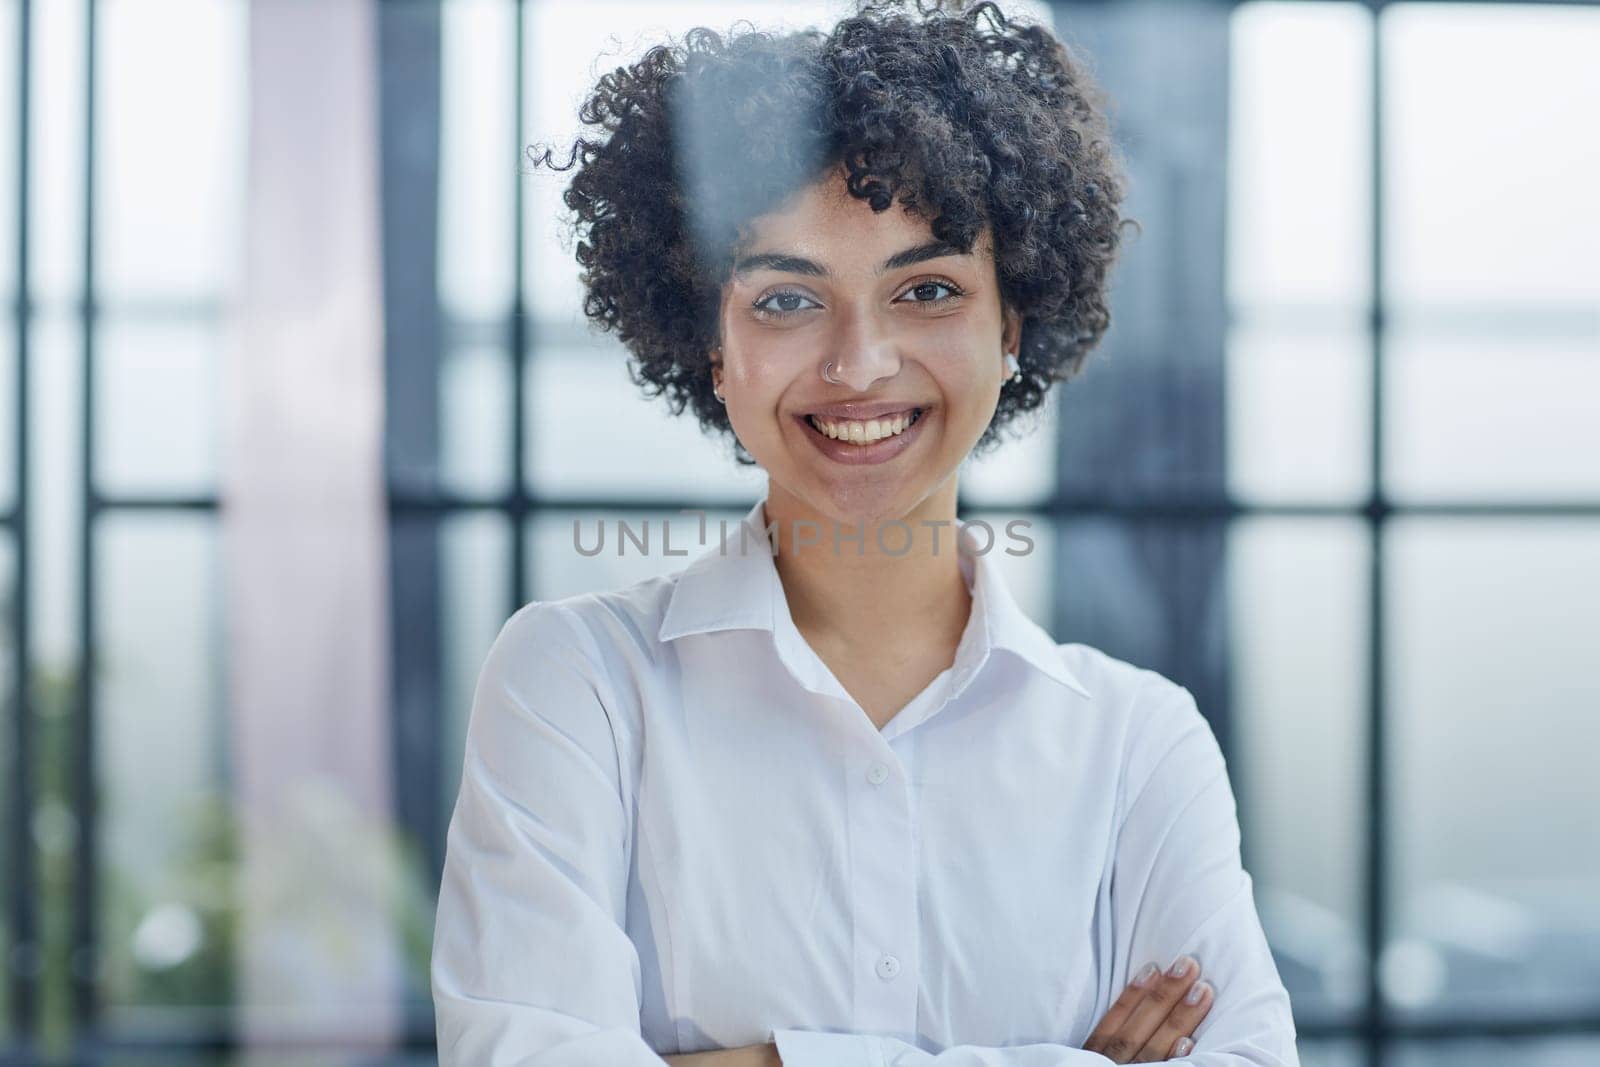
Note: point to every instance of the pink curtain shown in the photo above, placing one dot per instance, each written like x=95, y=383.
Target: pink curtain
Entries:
x=304, y=531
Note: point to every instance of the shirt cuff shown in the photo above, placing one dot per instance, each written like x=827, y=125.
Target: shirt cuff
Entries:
x=812, y=1048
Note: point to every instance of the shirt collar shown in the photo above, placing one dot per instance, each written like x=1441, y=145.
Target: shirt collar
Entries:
x=735, y=585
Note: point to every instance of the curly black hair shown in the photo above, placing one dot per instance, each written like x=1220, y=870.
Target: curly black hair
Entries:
x=972, y=125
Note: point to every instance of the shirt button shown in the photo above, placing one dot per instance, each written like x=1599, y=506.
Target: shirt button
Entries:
x=877, y=773
x=888, y=966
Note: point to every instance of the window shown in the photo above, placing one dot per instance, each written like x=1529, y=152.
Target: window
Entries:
x=1334, y=470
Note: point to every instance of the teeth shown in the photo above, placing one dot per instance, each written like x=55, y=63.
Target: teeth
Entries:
x=862, y=432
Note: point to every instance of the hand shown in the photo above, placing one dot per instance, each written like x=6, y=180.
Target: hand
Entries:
x=746, y=1056
x=1152, y=1021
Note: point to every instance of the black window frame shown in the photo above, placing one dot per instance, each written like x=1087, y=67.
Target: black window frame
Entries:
x=1374, y=1029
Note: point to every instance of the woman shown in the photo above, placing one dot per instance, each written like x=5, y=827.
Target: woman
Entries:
x=826, y=797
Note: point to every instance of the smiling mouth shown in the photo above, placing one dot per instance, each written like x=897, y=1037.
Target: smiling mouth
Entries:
x=864, y=431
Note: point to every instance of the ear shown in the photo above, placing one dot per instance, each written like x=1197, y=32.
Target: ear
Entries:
x=715, y=359
x=1011, y=332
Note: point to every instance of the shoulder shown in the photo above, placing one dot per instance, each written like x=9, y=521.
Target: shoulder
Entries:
x=1139, y=696
x=1157, y=720
x=572, y=665
x=605, y=643
x=602, y=634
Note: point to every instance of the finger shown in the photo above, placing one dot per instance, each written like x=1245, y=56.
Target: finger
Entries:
x=1164, y=994
x=1105, y=1038
x=1180, y=1024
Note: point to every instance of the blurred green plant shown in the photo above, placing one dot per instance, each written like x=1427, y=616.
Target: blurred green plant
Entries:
x=53, y=692
x=174, y=941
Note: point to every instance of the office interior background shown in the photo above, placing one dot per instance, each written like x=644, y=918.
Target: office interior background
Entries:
x=297, y=405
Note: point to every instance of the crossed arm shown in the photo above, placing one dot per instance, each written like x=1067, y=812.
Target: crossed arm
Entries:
x=1178, y=889
x=749, y=1056
x=1151, y=1021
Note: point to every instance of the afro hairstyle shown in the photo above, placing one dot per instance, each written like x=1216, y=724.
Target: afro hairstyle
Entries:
x=970, y=119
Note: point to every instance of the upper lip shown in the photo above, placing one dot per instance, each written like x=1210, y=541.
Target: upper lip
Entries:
x=861, y=410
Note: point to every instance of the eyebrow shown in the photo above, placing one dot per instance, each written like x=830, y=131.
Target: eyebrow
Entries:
x=793, y=264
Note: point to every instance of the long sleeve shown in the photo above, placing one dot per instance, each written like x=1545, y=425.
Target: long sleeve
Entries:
x=1178, y=886
x=810, y=1048
x=531, y=964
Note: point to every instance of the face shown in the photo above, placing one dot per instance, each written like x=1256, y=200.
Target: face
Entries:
x=913, y=331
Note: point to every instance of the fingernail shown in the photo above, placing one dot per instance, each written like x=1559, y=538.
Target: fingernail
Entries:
x=1196, y=991
x=1180, y=967
x=1184, y=1046
x=1147, y=972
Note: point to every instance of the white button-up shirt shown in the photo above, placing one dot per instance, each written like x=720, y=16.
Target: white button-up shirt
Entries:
x=677, y=831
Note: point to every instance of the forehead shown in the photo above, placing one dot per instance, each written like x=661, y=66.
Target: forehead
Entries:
x=824, y=220
x=825, y=207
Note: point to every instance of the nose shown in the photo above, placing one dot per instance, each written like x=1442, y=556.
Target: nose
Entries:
x=859, y=362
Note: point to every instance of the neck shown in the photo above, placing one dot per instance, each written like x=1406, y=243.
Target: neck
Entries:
x=894, y=581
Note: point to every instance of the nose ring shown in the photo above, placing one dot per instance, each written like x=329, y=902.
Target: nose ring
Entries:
x=828, y=377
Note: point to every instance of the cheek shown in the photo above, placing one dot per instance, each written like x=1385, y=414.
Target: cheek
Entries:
x=756, y=390
x=758, y=383
x=762, y=368
x=963, y=359
x=971, y=399
x=971, y=382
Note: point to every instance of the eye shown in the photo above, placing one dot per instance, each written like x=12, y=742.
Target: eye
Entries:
x=924, y=287
x=780, y=304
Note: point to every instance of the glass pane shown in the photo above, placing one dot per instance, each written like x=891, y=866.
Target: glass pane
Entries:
x=56, y=155
x=1470, y=219
x=1021, y=471
x=475, y=393
x=172, y=138
x=55, y=391
x=475, y=551
x=10, y=708
x=167, y=846
x=1299, y=155
x=9, y=175
x=478, y=157
x=1330, y=1053
x=1298, y=603
x=8, y=409
x=570, y=43
x=156, y=404
x=1299, y=411
x=8, y=152
x=591, y=431
x=580, y=552
x=1575, y=1051
x=168, y=1057
x=1493, y=702
x=1490, y=410
x=1143, y=591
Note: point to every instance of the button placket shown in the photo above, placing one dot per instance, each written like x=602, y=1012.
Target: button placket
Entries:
x=884, y=885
